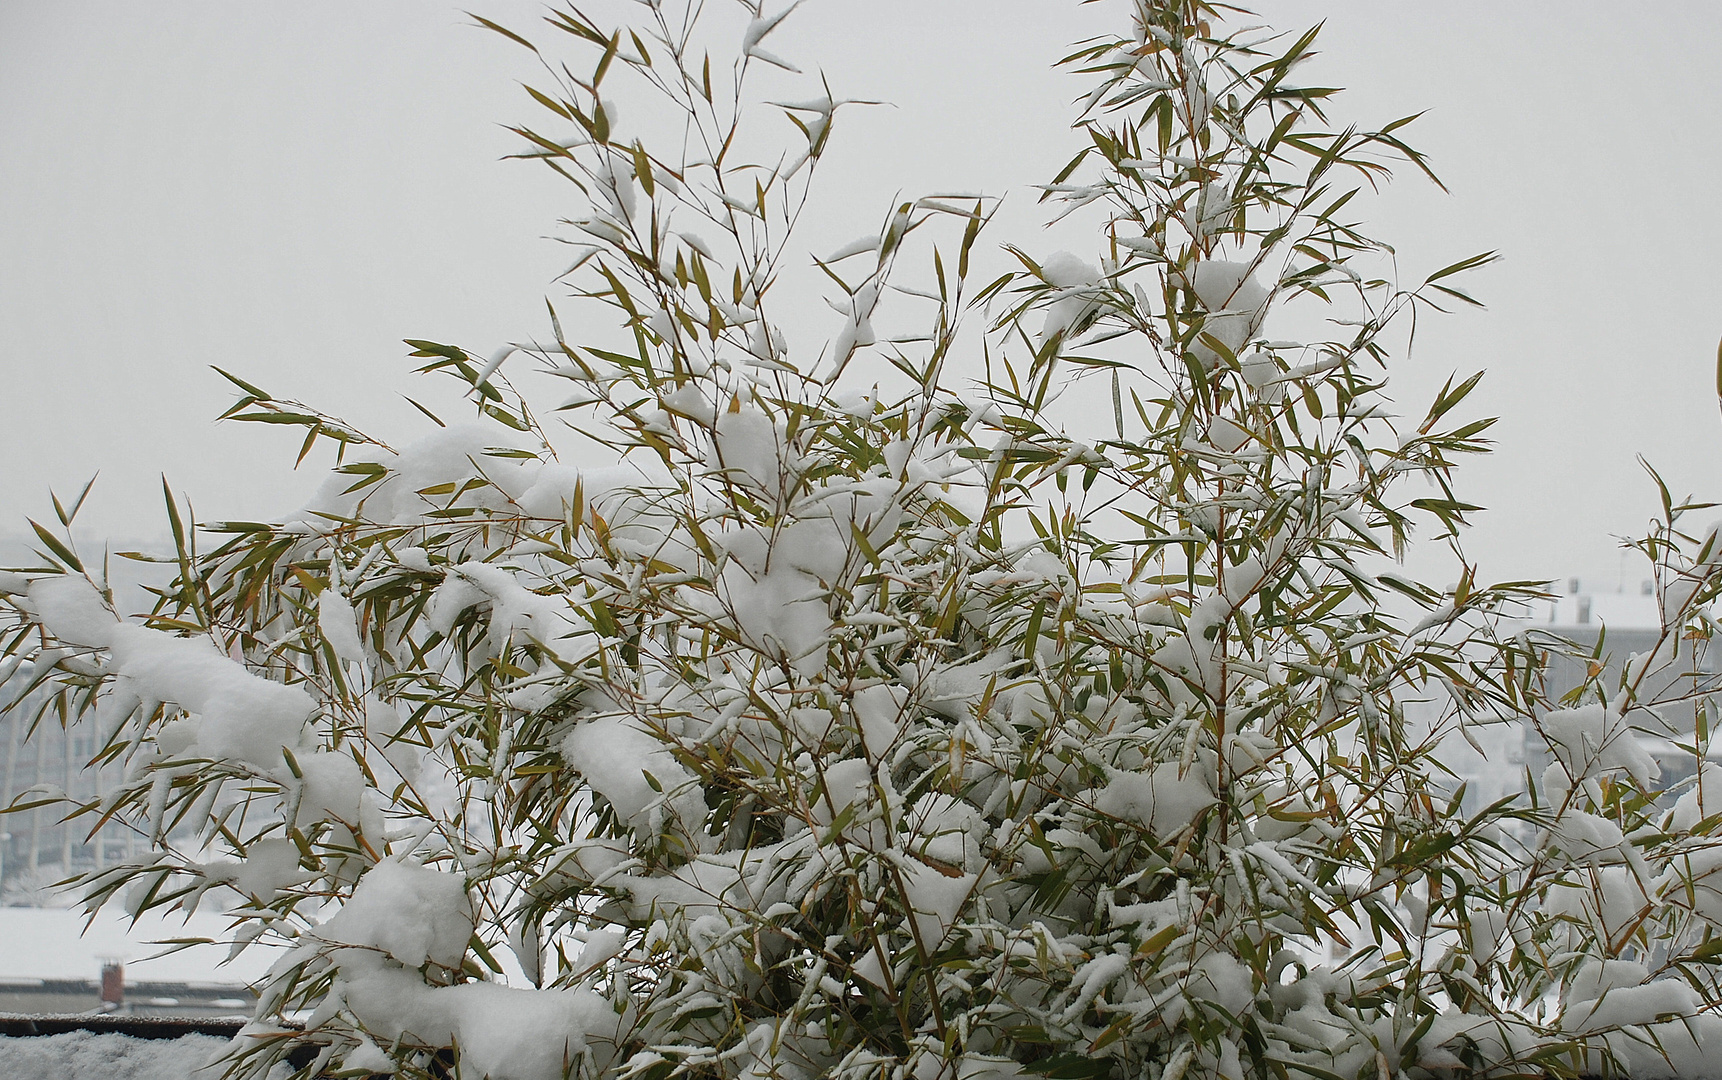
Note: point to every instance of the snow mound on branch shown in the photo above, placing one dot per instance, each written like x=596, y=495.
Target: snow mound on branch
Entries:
x=1235, y=303
x=879, y=712
x=850, y=786
x=517, y=614
x=340, y=625
x=73, y=610
x=775, y=582
x=1702, y=800
x=1611, y=901
x=935, y=899
x=268, y=867
x=402, y=916
x=946, y=828
x=503, y=1033
x=1586, y=837
x=233, y=715
x=1592, y=741
x=1163, y=800
x=1614, y=993
x=1078, y=284
x=779, y=609
x=413, y=913
x=754, y=450
x=238, y=715
x=622, y=762
x=481, y=466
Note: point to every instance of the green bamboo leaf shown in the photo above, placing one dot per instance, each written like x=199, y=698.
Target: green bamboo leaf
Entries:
x=61, y=551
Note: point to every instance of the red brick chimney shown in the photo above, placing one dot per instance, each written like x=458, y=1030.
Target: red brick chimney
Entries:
x=113, y=986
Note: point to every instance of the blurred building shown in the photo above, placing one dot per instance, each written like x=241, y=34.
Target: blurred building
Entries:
x=110, y=992
x=1605, y=628
x=46, y=749
x=43, y=754
x=68, y=961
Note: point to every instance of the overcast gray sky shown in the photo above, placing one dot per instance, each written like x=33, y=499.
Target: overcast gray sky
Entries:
x=288, y=189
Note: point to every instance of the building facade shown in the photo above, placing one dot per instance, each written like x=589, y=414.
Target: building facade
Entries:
x=46, y=751
x=1605, y=629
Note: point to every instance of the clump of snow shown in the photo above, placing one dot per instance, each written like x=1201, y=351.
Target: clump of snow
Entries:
x=1593, y=740
x=503, y=1033
x=414, y=914
x=237, y=714
x=1700, y=801
x=340, y=626
x=72, y=610
x=517, y=614
x=946, y=828
x=848, y=788
x=1234, y=303
x=456, y=453
x=935, y=897
x=1209, y=213
x=401, y=917
x=1614, y=993
x=1694, y=879
x=1611, y=901
x=269, y=866
x=1164, y=799
x=879, y=710
x=754, y=451
x=1585, y=837
x=637, y=773
x=1076, y=298
x=775, y=583
x=776, y=605
x=489, y=468
x=1227, y=436
x=331, y=787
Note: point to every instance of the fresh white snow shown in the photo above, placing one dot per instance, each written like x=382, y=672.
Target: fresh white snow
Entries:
x=83, y=1055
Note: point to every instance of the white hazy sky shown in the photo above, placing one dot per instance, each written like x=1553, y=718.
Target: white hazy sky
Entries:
x=287, y=189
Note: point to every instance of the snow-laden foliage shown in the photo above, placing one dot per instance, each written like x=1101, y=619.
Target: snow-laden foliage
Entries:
x=911, y=706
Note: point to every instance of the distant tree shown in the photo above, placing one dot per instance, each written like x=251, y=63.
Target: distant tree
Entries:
x=878, y=712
